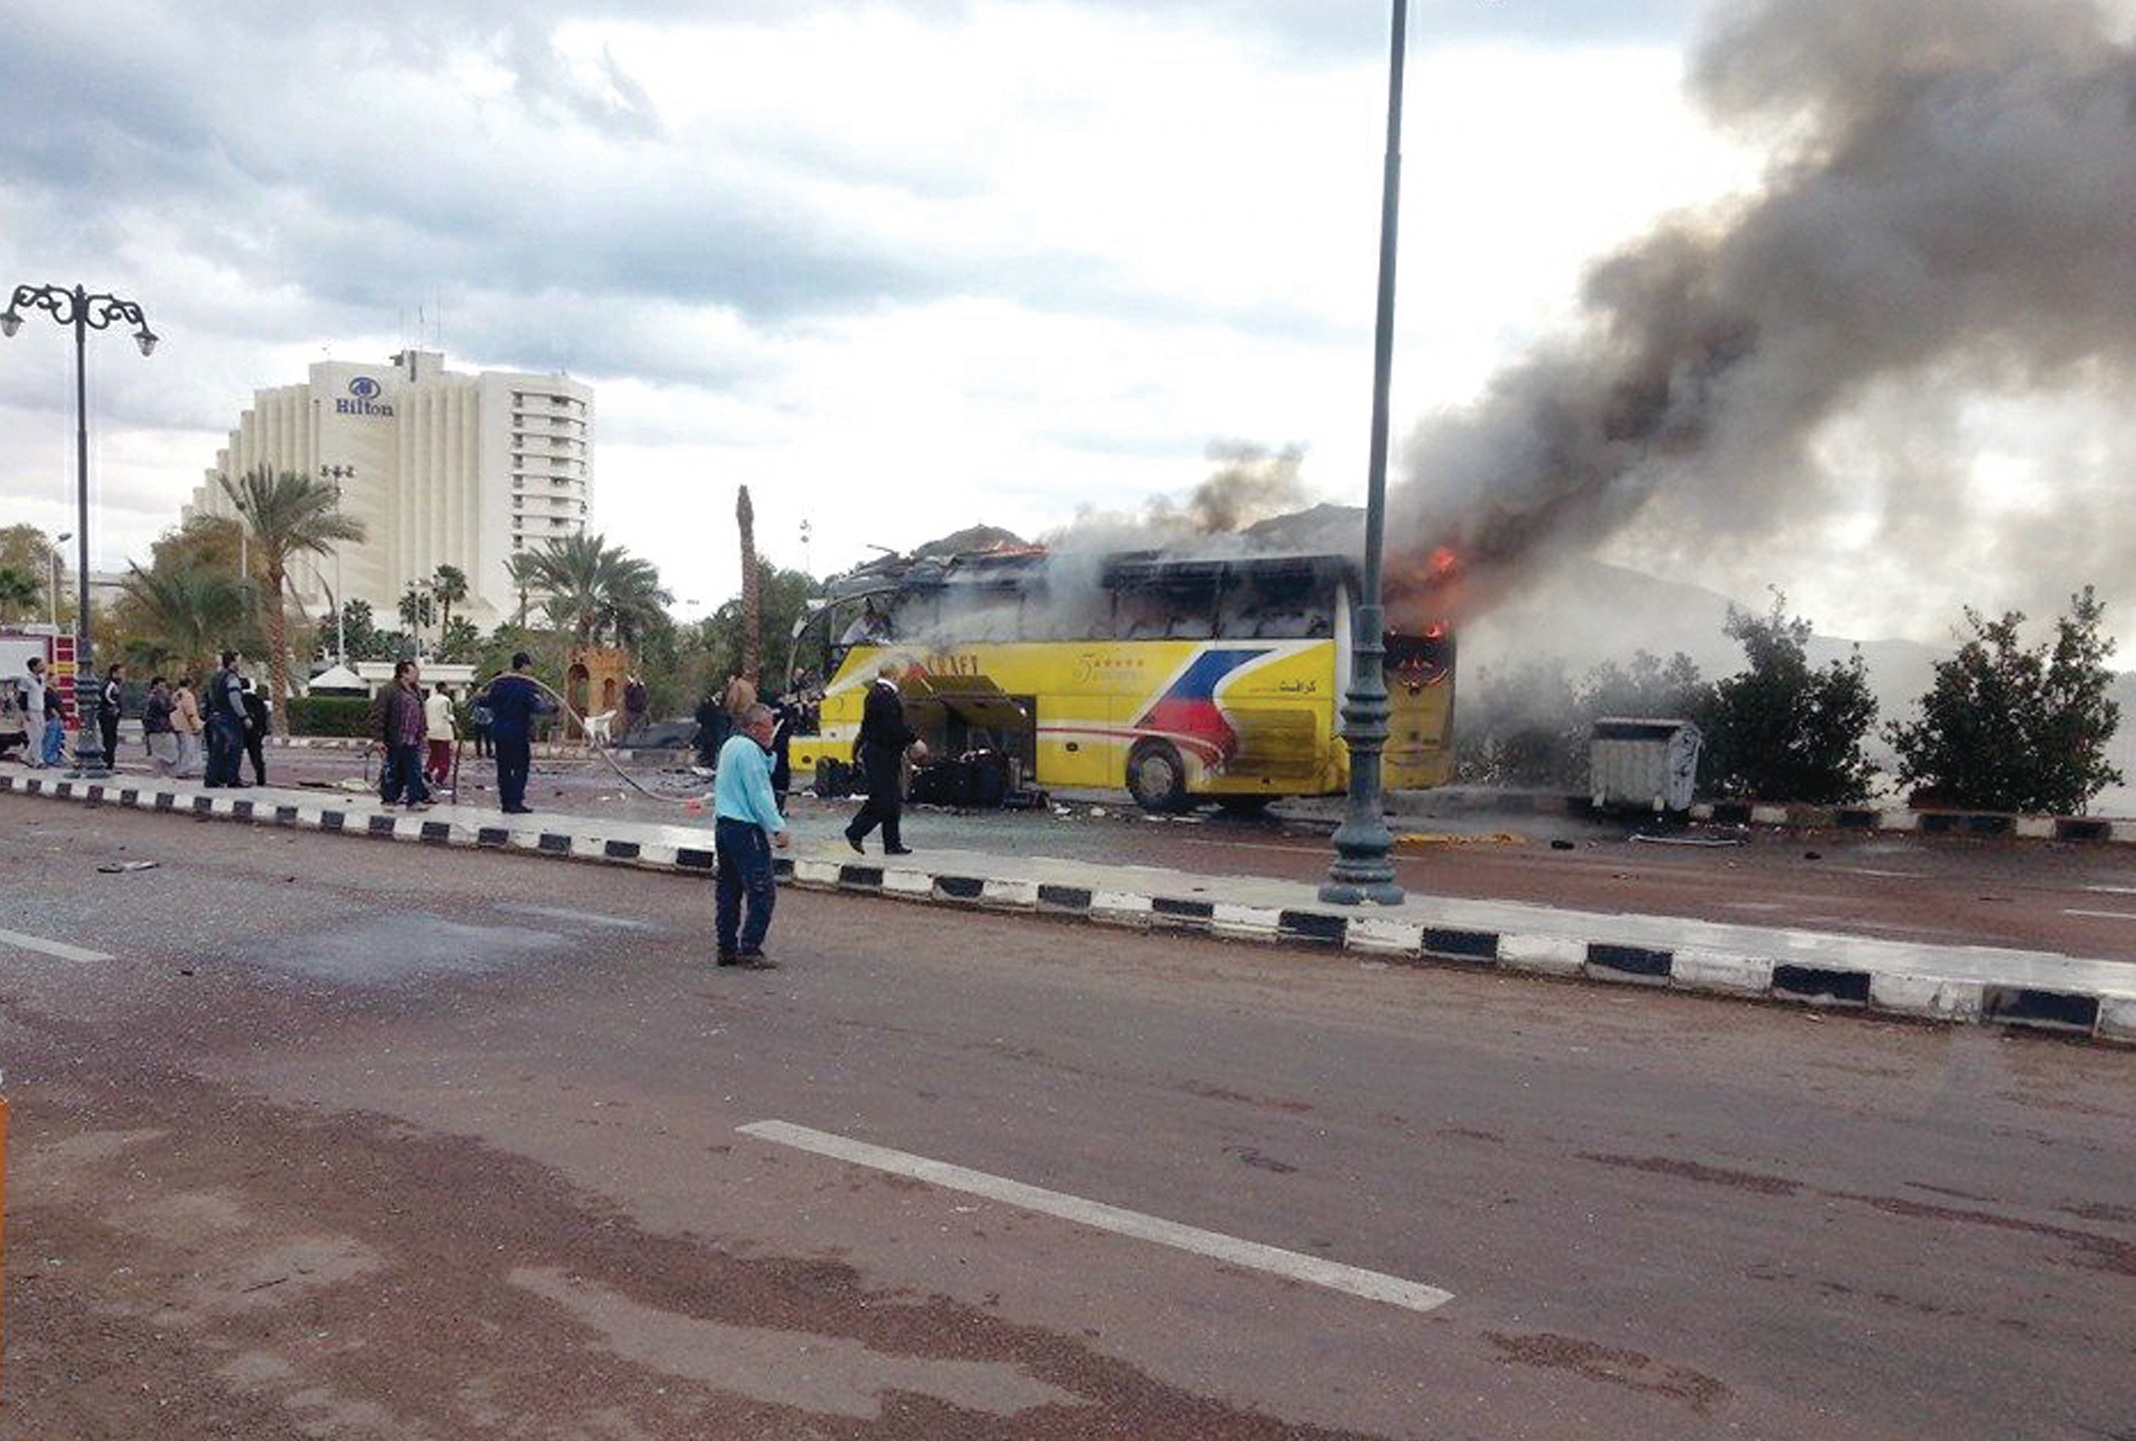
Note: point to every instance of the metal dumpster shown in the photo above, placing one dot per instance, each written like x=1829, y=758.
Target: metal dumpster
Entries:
x=1643, y=763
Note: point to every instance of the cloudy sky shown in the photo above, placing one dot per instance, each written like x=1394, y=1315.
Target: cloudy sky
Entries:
x=903, y=266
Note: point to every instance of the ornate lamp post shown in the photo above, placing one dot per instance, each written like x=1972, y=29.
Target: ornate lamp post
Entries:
x=337, y=474
x=1364, y=848
x=85, y=312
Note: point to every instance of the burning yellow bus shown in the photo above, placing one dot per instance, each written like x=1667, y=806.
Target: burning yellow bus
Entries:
x=1178, y=679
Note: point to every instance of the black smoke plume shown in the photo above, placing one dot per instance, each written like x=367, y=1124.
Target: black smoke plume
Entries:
x=1949, y=218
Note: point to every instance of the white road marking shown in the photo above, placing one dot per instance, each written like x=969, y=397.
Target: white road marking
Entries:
x=1372, y=1285
x=60, y=949
x=2113, y=890
x=2105, y=915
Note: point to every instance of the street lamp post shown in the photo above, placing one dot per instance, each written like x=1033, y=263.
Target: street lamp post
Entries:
x=63, y=537
x=1363, y=869
x=337, y=474
x=85, y=312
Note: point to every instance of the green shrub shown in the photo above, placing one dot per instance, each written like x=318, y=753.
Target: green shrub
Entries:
x=329, y=715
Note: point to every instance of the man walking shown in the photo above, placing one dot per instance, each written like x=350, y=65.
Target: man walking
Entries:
x=885, y=735
x=226, y=723
x=437, y=724
x=746, y=826
x=400, y=730
x=513, y=700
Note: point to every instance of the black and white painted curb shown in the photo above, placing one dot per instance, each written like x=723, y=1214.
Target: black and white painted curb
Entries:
x=1983, y=824
x=2075, y=1012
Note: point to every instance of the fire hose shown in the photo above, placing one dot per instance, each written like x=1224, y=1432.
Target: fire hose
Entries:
x=696, y=801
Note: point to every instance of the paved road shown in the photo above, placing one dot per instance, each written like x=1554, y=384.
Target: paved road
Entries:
x=2075, y=899
x=358, y=1140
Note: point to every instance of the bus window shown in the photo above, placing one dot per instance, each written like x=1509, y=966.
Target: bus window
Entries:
x=1177, y=602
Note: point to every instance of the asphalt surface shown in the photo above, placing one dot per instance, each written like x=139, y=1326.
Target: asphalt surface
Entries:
x=2071, y=898
x=361, y=1140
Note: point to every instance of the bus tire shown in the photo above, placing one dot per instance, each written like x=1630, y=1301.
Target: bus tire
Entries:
x=1156, y=776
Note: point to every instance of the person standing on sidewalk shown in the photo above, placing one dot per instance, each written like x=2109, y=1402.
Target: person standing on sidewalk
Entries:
x=110, y=704
x=400, y=730
x=185, y=720
x=157, y=731
x=513, y=700
x=746, y=825
x=55, y=732
x=885, y=736
x=33, y=714
x=437, y=725
x=226, y=723
x=256, y=713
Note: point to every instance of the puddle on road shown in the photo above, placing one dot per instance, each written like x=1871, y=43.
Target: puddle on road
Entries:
x=824, y=1374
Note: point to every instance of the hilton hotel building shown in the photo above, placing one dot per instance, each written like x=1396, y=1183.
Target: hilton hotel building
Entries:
x=448, y=469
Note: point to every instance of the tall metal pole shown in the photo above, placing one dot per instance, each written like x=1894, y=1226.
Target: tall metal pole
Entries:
x=84, y=312
x=1363, y=869
x=337, y=474
x=60, y=540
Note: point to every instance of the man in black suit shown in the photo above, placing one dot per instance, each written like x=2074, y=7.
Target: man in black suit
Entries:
x=885, y=735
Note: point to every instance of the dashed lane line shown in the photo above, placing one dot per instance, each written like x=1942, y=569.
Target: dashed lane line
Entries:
x=1334, y=1275
x=2104, y=915
x=39, y=944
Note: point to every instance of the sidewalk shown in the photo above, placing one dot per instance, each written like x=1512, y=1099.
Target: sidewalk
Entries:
x=2066, y=994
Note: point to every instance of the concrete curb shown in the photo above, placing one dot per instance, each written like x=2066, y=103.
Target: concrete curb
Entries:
x=1983, y=824
x=2076, y=1011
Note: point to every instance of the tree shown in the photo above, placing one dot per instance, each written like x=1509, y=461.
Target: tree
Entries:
x=2009, y=729
x=1645, y=687
x=752, y=592
x=1519, y=727
x=359, y=630
x=289, y=515
x=713, y=649
x=458, y=641
x=449, y=584
x=19, y=594
x=416, y=610
x=179, y=617
x=1781, y=731
x=31, y=553
x=591, y=589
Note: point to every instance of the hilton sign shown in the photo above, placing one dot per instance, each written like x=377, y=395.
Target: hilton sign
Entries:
x=362, y=399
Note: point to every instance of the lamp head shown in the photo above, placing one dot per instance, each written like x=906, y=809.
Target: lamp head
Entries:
x=10, y=323
x=144, y=337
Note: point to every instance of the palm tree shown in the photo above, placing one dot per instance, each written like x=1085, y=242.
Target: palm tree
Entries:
x=752, y=592
x=449, y=585
x=18, y=593
x=591, y=589
x=289, y=515
x=180, y=616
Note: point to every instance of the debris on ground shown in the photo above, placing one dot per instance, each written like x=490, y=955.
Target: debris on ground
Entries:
x=1641, y=837
x=117, y=868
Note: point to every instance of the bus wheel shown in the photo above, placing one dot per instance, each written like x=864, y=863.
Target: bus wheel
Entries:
x=1156, y=777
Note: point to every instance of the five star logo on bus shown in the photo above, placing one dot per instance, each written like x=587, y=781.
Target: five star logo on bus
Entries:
x=1187, y=712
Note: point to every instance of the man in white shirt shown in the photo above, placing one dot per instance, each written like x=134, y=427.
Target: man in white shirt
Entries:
x=33, y=713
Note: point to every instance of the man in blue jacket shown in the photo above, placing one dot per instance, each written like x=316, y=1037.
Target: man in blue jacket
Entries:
x=513, y=700
x=746, y=825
